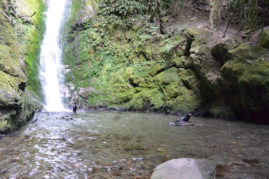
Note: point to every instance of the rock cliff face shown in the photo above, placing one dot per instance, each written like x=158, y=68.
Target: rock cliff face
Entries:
x=127, y=68
x=16, y=28
x=234, y=75
x=124, y=63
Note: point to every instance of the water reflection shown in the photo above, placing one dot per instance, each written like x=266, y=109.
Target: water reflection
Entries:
x=110, y=144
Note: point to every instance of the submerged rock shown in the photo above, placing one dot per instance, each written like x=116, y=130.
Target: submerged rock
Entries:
x=185, y=168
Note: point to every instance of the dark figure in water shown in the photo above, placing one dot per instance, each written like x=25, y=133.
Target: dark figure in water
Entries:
x=184, y=118
x=183, y=121
x=74, y=101
x=75, y=108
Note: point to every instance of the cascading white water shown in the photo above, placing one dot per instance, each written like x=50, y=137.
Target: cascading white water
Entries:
x=51, y=54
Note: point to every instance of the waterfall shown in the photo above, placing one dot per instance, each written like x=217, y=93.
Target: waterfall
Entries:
x=51, y=54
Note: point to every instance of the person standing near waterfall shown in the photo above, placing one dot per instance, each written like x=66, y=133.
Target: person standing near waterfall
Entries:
x=74, y=101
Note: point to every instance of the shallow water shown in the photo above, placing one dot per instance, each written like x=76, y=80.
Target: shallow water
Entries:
x=107, y=144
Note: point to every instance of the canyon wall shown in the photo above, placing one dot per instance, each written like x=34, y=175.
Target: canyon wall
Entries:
x=21, y=28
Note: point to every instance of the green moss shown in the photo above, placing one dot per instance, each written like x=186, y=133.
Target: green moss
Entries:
x=9, y=89
x=232, y=69
x=168, y=76
x=76, y=6
x=247, y=82
x=199, y=36
x=34, y=38
x=131, y=66
x=257, y=74
x=19, y=45
x=264, y=39
x=4, y=126
x=146, y=99
x=80, y=8
x=244, y=52
x=126, y=67
x=255, y=78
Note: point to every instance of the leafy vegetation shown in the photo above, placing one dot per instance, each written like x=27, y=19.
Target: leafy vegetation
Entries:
x=125, y=8
x=121, y=8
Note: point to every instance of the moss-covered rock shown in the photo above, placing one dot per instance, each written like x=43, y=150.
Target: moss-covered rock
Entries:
x=246, y=82
x=264, y=39
x=204, y=63
x=246, y=53
x=19, y=45
x=82, y=11
x=131, y=68
x=18, y=114
x=128, y=65
x=220, y=51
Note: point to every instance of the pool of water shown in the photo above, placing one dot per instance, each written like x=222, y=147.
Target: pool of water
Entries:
x=110, y=144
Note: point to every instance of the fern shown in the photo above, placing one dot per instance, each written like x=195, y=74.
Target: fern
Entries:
x=122, y=8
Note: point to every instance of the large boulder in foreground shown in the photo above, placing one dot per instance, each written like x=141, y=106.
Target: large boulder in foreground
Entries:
x=185, y=168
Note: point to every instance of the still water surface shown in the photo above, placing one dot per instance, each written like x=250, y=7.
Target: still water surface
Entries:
x=107, y=144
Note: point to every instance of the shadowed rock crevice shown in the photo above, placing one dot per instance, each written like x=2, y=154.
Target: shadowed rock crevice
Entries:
x=190, y=39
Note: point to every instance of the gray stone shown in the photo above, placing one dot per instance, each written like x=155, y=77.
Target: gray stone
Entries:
x=185, y=168
x=260, y=37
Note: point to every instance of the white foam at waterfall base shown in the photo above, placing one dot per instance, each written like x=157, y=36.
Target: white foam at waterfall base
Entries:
x=50, y=57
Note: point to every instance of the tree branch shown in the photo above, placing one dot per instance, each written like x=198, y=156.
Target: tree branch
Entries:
x=17, y=16
x=6, y=16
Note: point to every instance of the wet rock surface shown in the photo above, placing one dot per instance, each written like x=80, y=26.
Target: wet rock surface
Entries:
x=185, y=168
x=95, y=145
x=16, y=103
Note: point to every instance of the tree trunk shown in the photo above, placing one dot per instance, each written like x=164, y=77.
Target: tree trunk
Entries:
x=252, y=16
x=6, y=16
x=174, y=8
x=153, y=14
x=215, y=14
x=162, y=31
x=157, y=10
x=227, y=24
